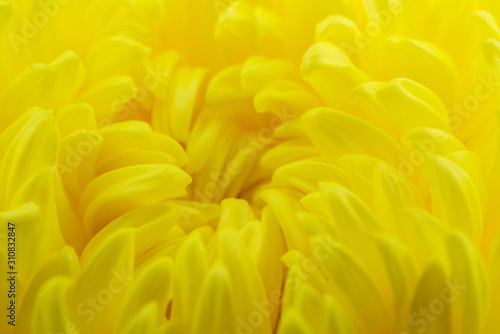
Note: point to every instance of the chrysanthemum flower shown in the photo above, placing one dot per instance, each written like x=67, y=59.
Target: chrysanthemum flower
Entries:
x=250, y=166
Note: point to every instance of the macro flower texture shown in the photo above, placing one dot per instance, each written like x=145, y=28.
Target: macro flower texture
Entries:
x=250, y=166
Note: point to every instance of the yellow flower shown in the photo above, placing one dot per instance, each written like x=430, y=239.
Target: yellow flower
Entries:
x=250, y=166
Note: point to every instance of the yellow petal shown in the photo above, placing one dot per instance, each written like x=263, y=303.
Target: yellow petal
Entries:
x=430, y=312
x=102, y=62
x=337, y=320
x=107, y=96
x=270, y=267
x=142, y=322
x=436, y=69
x=39, y=79
x=8, y=135
x=306, y=175
x=6, y=14
x=70, y=76
x=493, y=322
x=152, y=285
x=354, y=286
x=331, y=73
x=283, y=207
x=190, y=265
x=215, y=309
x=257, y=71
x=73, y=117
x=409, y=105
x=161, y=70
x=235, y=212
x=346, y=210
x=294, y=323
x=117, y=192
x=78, y=155
x=341, y=31
x=252, y=236
x=423, y=228
x=469, y=278
x=237, y=27
x=40, y=190
x=302, y=270
x=101, y=287
x=288, y=95
x=63, y=264
x=27, y=222
x=51, y=313
x=402, y=271
x=336, y=133
x=454, y=197
x=172, y=147
x=287, y=152
x=308, y=302
x=184, y=100
x=392, y=195
x=251, y=293
x=39, y=140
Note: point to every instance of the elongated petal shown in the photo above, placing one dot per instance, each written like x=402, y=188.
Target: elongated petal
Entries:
x=455, y=198
x=430, y=311
x=152, y=285
x=103, y=282
x=38, y=139
x=215, y=309
x=294, y=323
x=354, y=286
x=102, y=62
x=191, y=264
x=51, y=314
x=251, y=292
x=61, y=264
x=336, y=133
x=468, y=279
x=306, y=175
x=144, y=321
x=331, y=73
x=119, y=191
x=39, y=80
